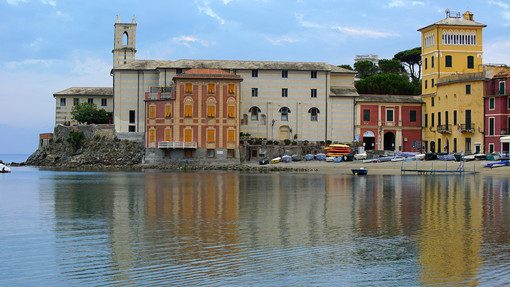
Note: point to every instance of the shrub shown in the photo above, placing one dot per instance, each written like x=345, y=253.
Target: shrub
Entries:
x=75, y=138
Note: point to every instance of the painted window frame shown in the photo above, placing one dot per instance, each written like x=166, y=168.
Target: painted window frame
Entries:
x=492, y=104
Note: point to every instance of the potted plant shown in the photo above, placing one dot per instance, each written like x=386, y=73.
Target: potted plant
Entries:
x=305, y=142
x=328, y=142
x=322, y=143
x=294, y=142
x=258, y=141
x=269, y=142
x=286, y=141
x=276, y=142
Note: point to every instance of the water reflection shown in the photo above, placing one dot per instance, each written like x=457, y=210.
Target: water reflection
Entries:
x=273, y=229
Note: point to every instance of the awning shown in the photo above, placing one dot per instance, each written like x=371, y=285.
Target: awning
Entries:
x=505, y=139
x=284, y=109
x=256, y=109
x=316, y=109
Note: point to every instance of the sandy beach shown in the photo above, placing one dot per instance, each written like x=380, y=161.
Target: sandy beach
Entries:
x=387, y=168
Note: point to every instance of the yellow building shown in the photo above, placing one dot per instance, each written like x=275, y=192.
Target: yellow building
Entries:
x=452, y=84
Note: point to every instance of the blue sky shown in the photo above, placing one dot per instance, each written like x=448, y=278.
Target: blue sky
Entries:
x=50, y=45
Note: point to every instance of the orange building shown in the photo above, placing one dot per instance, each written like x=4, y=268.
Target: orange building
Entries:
x=196, y=118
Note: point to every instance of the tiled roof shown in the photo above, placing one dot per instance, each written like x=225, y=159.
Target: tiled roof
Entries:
x=232, y=65
x=455, y=21
x=390, y=99
x=86, y=91
x=343, y=92
x=207, y=74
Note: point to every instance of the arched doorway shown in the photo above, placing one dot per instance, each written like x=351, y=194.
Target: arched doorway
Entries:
x=389, y=141
x=369, y=140
x=284, y=133
x=433, y=147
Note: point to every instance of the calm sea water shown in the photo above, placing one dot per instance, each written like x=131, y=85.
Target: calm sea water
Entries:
x=187, y=229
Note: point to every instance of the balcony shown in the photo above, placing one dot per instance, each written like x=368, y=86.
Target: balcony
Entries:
x=467, y=128
x=505, y=131
x=176, y=145
x=160, y=93
x=444, y=129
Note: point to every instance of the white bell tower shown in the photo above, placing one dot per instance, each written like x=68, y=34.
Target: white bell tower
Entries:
x=124, y=42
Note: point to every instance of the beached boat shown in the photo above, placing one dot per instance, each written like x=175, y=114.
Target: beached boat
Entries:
x=276, y=160
x=498, y=164
x=286, y=158
x=360, y=156
x=4, y=168
x=296, y=157
x=398, y=158
x=359, y=171
x=338, y=159
x=309, y=157
x=320, y=156
x=264, y=161
x=330, y=159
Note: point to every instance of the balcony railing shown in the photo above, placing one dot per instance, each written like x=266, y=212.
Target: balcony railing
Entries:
x=160, y=93
x=174, y=145
x=468, y=128
x=505, y=131
x=444, y=129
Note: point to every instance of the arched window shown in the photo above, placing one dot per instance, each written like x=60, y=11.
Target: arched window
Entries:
x=211, y=107
x=254, y=113
x=125, y=38
x=285, y=113
x=231, y=108
x=188, y=107
x=314, y=114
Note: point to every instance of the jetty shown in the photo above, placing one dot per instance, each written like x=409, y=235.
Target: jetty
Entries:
x=460, y=169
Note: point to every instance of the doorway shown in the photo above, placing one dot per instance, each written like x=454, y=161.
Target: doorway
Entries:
x=389, y=141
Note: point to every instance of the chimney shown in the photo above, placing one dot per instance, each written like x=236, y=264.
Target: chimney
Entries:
x=468, y=16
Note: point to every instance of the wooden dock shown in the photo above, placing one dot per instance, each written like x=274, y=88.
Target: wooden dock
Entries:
x=460, y=170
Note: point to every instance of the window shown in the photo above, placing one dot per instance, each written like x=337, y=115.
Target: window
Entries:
x=432, y=120
x=491, y=126
x=470, y=62
x=231, y=111
x=314, y=74
x=131, y=116
x=285, y=92
x=188, y=89
x=210, y=135
x=454, y=117
x=230, y=136
x=313, y=93
x=426, y=120
x=210, y=88
x=426, y=63
x=254, y=73
x=254, y=92
x=366, y=115
x=285, y=74
x=178, y=71
x=468, y=89
x=76, y=101
x=432, y=83
x=211, y=110
x=168, y=134
x=168, y=110
x=231, y=89
x=491, y=104
x=131, y=129
x=90, y=100
x=491, y=148
x=285, y=113
x=152, y=135
x=389, y=115
x=501, y=88
x=448, y=61
x=426, y=84
x=432, y=101
x=314, y=114
x=412, y=116
x=188, y=135
x=432, y=62
x=439, y=118
x=254, y=113
x=211, y=153
x=152, y=111
x=231, y=153
x=104, y=102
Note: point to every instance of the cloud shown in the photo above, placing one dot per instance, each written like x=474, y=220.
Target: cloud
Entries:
x=363, y=32
x=306, y=23
x=189, y=40
x=15, y=2
x=14, y=65
x=500, y=4
x=282, y=40
x=418, y=3
x=205, y=8
x=396, y=3
x=49, y=2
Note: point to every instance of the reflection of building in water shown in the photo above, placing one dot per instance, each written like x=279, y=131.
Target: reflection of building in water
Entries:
x=496, y=217
x=195, y=215
x=450, y=237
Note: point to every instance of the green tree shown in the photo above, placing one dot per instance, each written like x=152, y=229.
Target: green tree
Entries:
x=88, y=113
x=412, y=60
x=391, y=67
x=345, y=66
x=365, y=69
x=386, y=84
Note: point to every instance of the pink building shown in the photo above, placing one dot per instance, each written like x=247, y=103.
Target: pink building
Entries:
x=389, y=122
x=497, y=112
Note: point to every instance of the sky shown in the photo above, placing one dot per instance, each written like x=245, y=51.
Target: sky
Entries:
x=51, y=45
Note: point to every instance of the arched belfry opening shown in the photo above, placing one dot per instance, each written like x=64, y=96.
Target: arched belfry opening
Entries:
x=125, y=39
